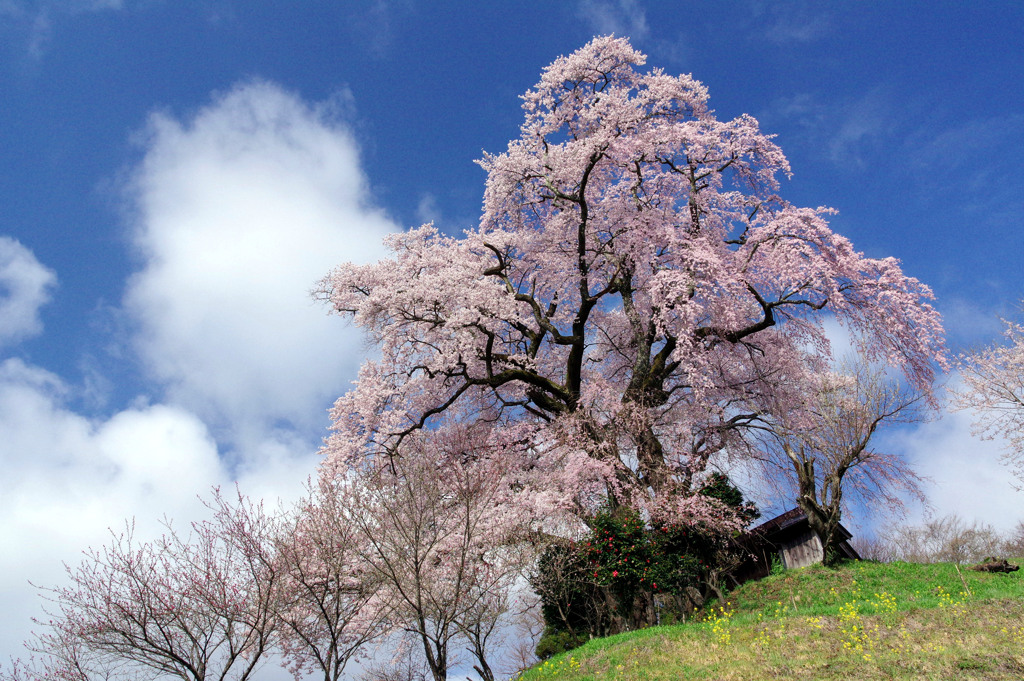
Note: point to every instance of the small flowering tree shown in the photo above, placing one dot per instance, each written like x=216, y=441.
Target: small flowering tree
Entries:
x=64, y=659
x=194, y=607
x=330, y=605
x=444, y=538
x=634, y=279
x=993, y=386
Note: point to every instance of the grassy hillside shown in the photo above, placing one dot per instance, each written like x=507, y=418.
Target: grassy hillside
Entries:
x=859, y=621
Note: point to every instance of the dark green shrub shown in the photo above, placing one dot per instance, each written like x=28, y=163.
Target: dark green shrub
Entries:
x=627, y=574
x=554, y=641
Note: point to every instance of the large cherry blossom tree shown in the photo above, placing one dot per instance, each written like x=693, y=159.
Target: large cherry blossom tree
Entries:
x=634, y=278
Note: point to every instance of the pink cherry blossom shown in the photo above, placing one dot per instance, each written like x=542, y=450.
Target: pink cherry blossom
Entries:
x=635, y=277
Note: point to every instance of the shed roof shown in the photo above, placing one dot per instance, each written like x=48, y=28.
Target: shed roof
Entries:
x=784, y=521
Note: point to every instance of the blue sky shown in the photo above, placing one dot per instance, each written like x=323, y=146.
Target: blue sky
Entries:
x=175, y=176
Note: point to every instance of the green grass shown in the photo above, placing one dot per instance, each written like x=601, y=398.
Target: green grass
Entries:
x=859, y=621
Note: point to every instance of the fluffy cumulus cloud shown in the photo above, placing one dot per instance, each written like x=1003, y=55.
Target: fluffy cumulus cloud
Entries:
x=965, y=474
x=235, y=213
x=25, y=285
x=69, y=479
x=239, y=211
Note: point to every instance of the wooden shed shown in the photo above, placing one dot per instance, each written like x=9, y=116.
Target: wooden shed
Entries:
x=789, y=539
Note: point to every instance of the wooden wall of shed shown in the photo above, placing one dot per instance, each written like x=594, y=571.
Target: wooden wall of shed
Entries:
x=801, y=551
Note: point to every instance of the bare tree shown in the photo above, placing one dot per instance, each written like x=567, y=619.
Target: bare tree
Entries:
x=405, y=664
x=1013, y=543
x=949, y=539
x=824, y=449
x=65, y=659
x=529, y=625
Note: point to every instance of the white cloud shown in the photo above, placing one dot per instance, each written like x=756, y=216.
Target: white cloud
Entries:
x=862, y=122
x=36, y=19
x=235, y=212
x=239, y=210
x=29, y=7
x=67, y=479
x=624, y=18
x=970, y=324
x=848, y=127
x=427, y=209
x=943, y=160
x=966, y=476
x=786, y=24
x=25, y=286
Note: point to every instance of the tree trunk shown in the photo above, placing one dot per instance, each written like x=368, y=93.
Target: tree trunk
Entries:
x=823, y=518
